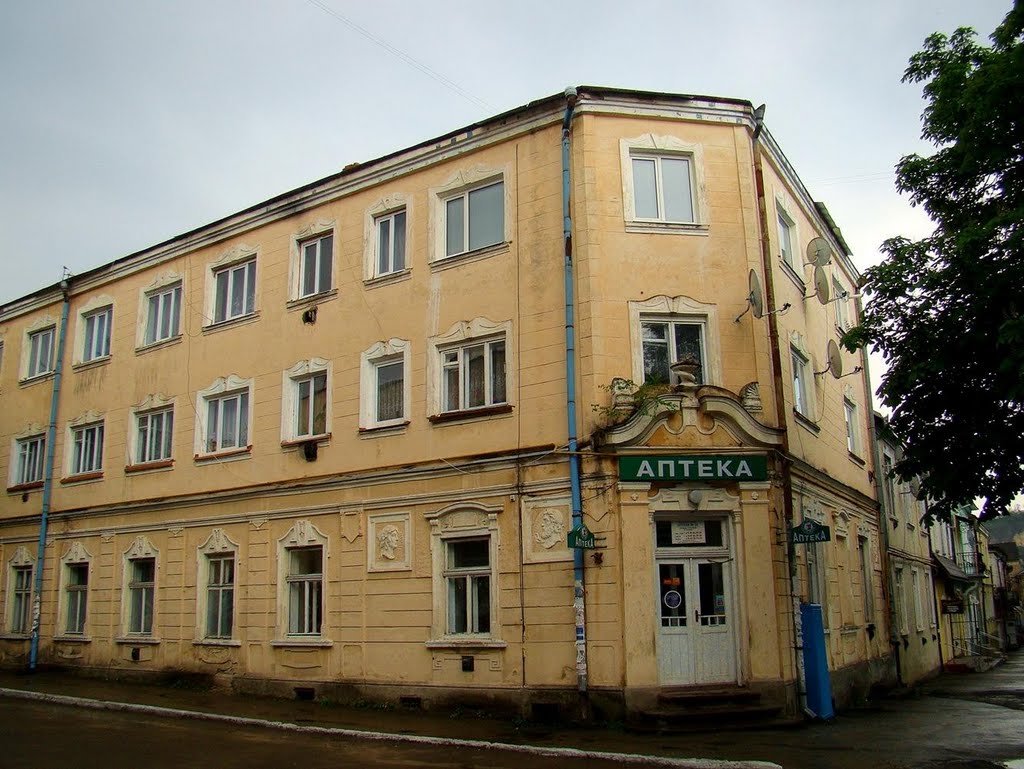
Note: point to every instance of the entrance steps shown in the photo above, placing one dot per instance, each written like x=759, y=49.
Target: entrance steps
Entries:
x=977, y=663
x=706, y=708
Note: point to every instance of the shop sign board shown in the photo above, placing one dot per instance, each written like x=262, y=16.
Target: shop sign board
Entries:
x=694, y=467
x=952, y=606
x=582, y=537
x=809, y=532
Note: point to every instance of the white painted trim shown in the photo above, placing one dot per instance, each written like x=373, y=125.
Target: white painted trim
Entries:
x=163, y=281
x=384, y=206
x=152, y=402
x=75, y=554
x=94, y=304
x=303, y=533
x=290, y=379
x=230, y=258
x=464, y=332
x=379, y=352
x=141, y=547
x=664, y=145
x=311, y=230
x=680, y=308
x=218, y=544
x=460, y=182
x=232, y=383
x=389, y=543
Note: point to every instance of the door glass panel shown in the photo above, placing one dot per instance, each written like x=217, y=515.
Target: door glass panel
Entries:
x=712, y=594
x=672, y=591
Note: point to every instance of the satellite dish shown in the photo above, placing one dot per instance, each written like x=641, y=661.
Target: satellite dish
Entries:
x=835, y=359
x=821, y=286
x=755, y=297
x=818, y=252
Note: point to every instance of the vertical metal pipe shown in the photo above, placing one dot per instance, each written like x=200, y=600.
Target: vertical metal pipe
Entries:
x=579, y=593
x=51, y=440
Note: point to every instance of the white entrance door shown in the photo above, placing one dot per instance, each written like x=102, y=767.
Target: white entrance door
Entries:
x=696, y=641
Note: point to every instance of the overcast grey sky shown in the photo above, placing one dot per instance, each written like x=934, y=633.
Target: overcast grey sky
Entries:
x=126, y=122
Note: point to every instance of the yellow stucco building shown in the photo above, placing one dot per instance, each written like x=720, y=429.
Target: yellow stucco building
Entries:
x=327, y=443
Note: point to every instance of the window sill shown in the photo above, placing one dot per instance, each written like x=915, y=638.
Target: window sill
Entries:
x=217, y=642
x=301, y=643
x=137, y=641
x=72, y=639
x=22, y=487
x=82, y=478
x=667, y=228
x=791, y=273
x=805, y=422
x=388, y=278
x=241, y=320
x=849, y=629
x=158, y=345
x=468, y=414
x=15, y=637
x=302, y=302
x=229, y=454
x=85, y=365
x=466, y=643
x=29, y=381
x=294, y=443
x=856, y=459
x=454, y=260
x=377, y=431
x=143, y=467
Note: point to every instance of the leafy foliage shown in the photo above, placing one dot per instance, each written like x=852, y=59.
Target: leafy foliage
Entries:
x=946, y=311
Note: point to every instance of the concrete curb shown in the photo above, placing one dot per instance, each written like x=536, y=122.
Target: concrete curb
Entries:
x=154, y=710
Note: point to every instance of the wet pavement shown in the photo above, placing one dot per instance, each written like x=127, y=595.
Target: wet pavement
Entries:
x=956, y=721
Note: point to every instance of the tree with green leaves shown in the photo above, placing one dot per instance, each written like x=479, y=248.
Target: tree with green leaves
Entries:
x=946, y=311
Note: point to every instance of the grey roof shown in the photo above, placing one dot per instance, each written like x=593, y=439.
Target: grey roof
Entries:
x=1004, y=528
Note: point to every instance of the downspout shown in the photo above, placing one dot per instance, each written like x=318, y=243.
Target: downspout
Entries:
x=780, y=412
x=578, y=604
x=51, y=439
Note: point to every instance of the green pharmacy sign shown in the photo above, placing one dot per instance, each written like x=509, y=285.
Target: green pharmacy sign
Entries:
x=581, y=537
x=809, y=532
x=695, y=467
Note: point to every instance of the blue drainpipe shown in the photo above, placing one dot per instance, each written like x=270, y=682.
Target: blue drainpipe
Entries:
x=579, y=605
x=51, y=439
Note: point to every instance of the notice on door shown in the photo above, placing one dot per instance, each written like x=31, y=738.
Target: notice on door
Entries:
x=688, y=533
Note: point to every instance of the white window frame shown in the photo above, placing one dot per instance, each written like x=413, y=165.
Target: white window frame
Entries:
x=239, y=265
x=900, y=594
x=677, y=309
x=221, y=391
x=454, y=358
x=659, y=147
x=658, y=162
x=455, y=523
x=915, y=578
x=866, y=575
x=74, y=596
x=218, y=547
x=168, y=314
x=313, y=233
x=23, y=458
x=841, y=298
x=141, y=550
x=462, y=336
x=391, y=352
x=802, y=382
x=142, y=447
x=85, y=440
x=852, y=417
x=461, y=185
x=92, y=346
x=786, y=230
x=41, y=352
x=671, y=323
x=386, y=208
x=291, y=382
x=302, y=536
x=465, y=198
x=387, y=263
x=20, y=587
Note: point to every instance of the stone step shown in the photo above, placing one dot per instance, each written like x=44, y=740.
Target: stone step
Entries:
x=722, y=717
x=707, y=696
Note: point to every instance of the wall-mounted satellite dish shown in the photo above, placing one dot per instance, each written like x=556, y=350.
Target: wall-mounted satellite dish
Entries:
x=822, y=290
x=818, y=252
x=835, y=361
x=755, y=297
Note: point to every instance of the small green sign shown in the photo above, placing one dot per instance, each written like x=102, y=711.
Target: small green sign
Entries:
x=582, y=537
x=694, y=467
x=809, y=532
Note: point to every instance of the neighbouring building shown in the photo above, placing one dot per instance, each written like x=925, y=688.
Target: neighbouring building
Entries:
x=336, y=441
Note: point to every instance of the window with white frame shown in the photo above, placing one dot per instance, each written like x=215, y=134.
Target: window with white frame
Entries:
x=383, y=380
x=311, y=405
x=87, y=449
x=316, y=262
x=852, y=425
x=841, y=296
x=473, y=375
x=889, y=494
x=141, y=595
x=153, y=434
x=31, y=452
x=915, y=579
x=220, y=595
x=163, y=313
x=389, y=248
x=305, y=579
x=867, y=586
x=468, y=580
x=801, y=383
x=662, y=187
x=234, y=291
x=40, y=352
x=96, y=342
x=900, y=595
x=76, y=594
x=787, y=236
x=474, y=218
x=21, y=598
x=667, y=342
x=227, y=422
x=389, y=392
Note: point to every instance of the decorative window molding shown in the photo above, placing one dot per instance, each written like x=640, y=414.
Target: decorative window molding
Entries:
x=159, y=318
x=787, y=238
x=678, y=309
x=802, y=379
x=231, y=286
x=140, y=578
x=84, y=439
x=73, y=597
x=303, y=282
x=389, y=542
x=460, y=336
x=93, y=330
x=394, y=259
x=302, y=591
x=466, y=185
x=306, y=401
x=28, y=455
x=384, y=391
x=38, y=349
x=851, y=414
x=151, y=431
x=216, y=587
x=224, y=417
x=670, y=192
x=464, y=572
x=20, y=578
